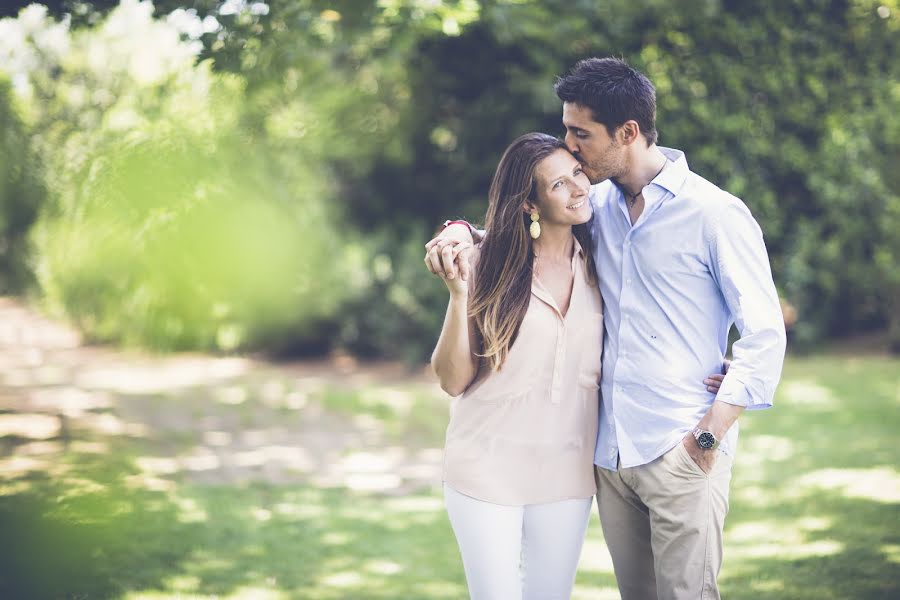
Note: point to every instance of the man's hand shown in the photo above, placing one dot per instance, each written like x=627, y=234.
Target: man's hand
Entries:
x=718, y=419
x=705, y=459
x=449, y=253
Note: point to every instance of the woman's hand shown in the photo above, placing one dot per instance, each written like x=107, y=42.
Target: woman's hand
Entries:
x=714, y=381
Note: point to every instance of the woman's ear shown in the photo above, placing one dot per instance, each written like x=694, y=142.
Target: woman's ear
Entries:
x=529, y=207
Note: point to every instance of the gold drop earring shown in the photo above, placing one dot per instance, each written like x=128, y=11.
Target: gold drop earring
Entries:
x=535, y=229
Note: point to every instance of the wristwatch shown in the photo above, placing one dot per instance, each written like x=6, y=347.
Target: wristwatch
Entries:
x=705, y=439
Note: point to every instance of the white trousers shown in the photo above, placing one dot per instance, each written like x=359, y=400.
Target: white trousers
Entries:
x=518, y=552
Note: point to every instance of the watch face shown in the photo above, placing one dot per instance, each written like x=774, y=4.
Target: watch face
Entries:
x=706, y=440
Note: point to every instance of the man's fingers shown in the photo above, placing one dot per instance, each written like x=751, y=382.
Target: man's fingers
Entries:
x=447, y=256
x=461, y=258
x=460, y=248
x=464, y=267
x=440, y=241
x=714, y=382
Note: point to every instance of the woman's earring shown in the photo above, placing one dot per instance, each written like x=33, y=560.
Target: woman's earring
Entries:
x=535, y=229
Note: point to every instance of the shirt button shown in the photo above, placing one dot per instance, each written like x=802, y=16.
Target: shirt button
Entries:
x=627, y=242
x=628, y=281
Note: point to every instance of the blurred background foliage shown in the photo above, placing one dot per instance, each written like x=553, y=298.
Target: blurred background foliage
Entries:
x=248, y=175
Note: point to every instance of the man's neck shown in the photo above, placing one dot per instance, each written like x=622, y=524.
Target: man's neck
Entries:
x=644, y=166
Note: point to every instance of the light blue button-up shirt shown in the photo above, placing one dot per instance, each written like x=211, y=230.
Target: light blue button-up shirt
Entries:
x=672, y=285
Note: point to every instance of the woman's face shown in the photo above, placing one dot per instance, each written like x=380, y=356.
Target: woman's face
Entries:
x=562, y=190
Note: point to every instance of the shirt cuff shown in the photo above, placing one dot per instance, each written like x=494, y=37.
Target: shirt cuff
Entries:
x=736, y=392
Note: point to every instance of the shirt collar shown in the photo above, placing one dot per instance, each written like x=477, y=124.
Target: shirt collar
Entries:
x=578, y=249
x=675, y=173
x=668, y=183
x=538, y=289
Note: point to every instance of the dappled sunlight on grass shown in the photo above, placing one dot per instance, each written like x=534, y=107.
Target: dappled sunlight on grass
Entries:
x=68, y=400
x=768, y=448
x=420, y=504
x=157, y=465
x=173, y=373
x=810, y=500
x=881, y=484
x=189, y=510
x=339, y=498
x=787, y=540
x=232, y=394
x=16, y=466
x=892, y=552
x=596, y=593
x=807, y=392
x=184, y=593
x=111, y=425
x=31, y=426
x=595, y=555
x=150, y=483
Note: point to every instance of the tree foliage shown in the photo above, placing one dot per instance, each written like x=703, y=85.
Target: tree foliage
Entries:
x=330, y=138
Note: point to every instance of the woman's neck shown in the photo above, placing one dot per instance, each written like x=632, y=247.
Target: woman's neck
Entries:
x=557, y=243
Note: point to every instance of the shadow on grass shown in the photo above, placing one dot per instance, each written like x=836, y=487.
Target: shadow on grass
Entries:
x=819, y=546
x=815, y=500
x=87, y=534
x=97, y=532
x=814, y=515
x=326, y=544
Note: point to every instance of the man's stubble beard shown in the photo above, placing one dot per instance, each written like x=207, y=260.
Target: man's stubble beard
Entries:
x=597, y=175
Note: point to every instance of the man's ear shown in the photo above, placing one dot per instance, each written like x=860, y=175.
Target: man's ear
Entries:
x=628, y=132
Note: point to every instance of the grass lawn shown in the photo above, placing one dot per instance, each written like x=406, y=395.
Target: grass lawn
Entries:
x=815, y=512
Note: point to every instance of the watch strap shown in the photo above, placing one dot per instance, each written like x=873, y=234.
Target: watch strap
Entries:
x=698, y=432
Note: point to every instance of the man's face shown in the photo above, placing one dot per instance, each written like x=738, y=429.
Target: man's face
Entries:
x=603, y=156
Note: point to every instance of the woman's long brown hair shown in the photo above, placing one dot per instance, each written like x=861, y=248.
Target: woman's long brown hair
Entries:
x=502, y=286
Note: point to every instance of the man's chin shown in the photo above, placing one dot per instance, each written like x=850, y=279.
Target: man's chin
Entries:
x=596, y=178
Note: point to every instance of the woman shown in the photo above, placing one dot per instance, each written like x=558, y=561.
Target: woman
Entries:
x=522, y=346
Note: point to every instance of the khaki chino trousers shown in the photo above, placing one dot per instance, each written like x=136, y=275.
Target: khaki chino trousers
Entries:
x=663, y=525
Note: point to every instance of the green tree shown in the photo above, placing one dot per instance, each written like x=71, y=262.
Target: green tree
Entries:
x=21, y=192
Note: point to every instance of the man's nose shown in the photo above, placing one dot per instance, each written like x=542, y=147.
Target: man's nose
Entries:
x=570, y=143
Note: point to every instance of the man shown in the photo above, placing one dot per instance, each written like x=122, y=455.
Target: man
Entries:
x=679, y=260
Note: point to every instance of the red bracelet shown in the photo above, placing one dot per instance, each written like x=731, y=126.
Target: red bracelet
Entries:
x=466, y=223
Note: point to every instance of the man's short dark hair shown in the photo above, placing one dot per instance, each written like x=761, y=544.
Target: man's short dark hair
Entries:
x=614, y=91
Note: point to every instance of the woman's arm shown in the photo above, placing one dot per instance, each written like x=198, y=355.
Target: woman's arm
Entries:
x=454, y=359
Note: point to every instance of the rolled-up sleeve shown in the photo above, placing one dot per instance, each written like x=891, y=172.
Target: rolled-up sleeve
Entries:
x=741, y=266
